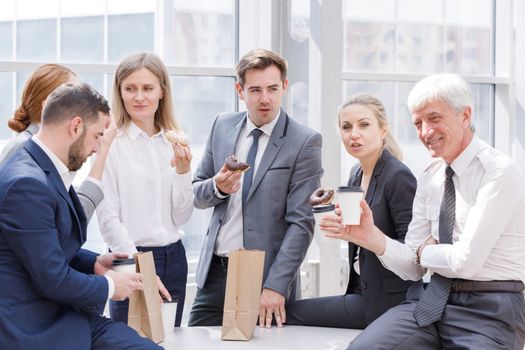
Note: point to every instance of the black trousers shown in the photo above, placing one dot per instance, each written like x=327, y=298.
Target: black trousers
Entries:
x=341, y=311
x=208, y=306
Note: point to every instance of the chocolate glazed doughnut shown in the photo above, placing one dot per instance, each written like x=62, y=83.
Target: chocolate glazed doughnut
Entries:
x=233, y=164
x=321, y=196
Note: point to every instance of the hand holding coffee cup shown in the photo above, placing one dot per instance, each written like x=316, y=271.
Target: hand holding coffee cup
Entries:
x=125, y=284
x=321, y=202
x=104, y=262
x=320, y=211
x=124, y=265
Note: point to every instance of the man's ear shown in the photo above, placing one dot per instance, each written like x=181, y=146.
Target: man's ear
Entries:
x=240, y=91
x=76, y=127
x=285, y=85
x=467, y=116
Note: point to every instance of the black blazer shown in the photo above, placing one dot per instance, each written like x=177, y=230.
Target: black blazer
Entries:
x=390, y=196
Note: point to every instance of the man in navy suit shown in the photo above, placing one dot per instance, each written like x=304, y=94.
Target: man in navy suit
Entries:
x=50, y=286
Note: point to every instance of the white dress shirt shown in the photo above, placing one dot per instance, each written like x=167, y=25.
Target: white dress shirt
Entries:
x=145, y=200
x=230, y=236
x=67, y=178
x=489, y=232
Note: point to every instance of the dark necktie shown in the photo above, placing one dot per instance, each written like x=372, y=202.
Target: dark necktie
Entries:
x=432, y=304
x=252, y=153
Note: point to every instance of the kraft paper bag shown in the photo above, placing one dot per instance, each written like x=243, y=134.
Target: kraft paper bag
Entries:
x=243, y=292
x=145, y=315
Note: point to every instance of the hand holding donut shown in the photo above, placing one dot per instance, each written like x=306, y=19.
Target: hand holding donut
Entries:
x=182, y=156
x=228, y=178
x=181, y=160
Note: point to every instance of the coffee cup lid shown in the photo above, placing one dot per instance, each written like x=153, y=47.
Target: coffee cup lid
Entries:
x=349, y=189
x=118, y=262
x=323, y=208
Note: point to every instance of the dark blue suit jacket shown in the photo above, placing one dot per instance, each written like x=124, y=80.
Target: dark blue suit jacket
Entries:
x=390, y=196
x=47, y=282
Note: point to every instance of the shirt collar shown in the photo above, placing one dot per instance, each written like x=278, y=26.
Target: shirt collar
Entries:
x=134, y=132
x=465, y=158
x=33, y=128
x=66, y=175
x=266, y=128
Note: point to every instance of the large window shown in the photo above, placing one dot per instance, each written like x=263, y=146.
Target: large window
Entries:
x=411, y=36
x=196, y=40
x=334, y=49
x=383, y=47
x=403, y=39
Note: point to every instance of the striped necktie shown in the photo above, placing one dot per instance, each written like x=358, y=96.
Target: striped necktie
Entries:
x=430, y=307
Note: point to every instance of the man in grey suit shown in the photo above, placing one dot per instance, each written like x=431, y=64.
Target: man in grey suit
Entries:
x=265, y=208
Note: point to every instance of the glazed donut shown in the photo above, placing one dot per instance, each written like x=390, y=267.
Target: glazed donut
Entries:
x=176, y=137
x=233, y=164
x=322, y=196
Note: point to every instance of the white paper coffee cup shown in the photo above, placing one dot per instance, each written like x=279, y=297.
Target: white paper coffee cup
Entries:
x=320, y=211
x=169, y=312
x=349, y=199
x=124, y=265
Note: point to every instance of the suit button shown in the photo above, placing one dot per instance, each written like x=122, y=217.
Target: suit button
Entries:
x=363, y=284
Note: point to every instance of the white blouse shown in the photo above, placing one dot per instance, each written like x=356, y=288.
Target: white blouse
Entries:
x=145, y=200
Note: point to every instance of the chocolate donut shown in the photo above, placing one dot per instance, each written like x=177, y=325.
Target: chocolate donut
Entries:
x=233, y=164
x=321, y=196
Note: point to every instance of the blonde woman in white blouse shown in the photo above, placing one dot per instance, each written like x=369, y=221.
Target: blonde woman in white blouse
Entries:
x=147, y=180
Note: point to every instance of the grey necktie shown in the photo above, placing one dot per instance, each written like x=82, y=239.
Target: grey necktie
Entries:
x=432, y=304
x=252, y=153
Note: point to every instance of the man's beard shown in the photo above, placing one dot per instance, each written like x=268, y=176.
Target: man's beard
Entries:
x=75, y=154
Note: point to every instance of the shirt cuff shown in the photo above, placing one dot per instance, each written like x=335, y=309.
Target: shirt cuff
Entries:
x=95, y=181
x=111, y=286
x=182, y=178
x=395, y=254
x=216, y=190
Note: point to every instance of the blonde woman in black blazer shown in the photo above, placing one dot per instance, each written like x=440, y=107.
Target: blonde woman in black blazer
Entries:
x=389, y=191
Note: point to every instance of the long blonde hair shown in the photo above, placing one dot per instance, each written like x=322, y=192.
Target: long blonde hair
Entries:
x=375, y=104
x=164, y=115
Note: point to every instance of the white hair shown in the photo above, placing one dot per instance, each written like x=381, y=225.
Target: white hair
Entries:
x=449, y=88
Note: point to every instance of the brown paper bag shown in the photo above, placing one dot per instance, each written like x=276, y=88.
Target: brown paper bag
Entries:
x=145, y=315
x=243, y=292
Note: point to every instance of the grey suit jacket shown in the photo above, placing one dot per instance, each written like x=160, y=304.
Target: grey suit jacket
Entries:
x=277, y=216
x=89, y=194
